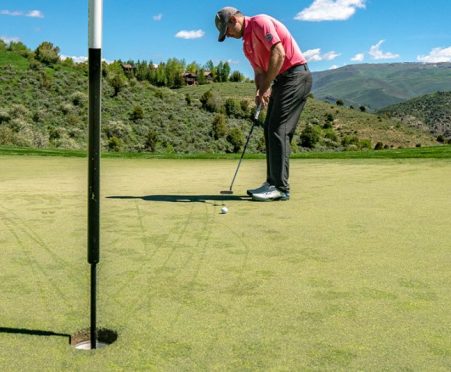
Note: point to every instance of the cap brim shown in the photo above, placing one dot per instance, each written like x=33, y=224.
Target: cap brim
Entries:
x=222, y=34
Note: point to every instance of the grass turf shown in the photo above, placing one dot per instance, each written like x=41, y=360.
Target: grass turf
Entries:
x=351, y=274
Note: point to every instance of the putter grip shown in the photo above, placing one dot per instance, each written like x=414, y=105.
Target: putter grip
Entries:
x=257, y=111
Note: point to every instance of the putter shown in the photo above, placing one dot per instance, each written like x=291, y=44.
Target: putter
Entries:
x=254, y=121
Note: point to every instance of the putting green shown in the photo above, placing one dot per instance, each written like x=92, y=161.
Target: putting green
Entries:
x=353, y=273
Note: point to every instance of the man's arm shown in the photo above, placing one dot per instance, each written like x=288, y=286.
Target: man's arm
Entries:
x=264, y=79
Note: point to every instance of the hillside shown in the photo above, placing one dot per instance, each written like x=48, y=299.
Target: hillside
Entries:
x=430, y=112
x=378, y=85
x=46, y=107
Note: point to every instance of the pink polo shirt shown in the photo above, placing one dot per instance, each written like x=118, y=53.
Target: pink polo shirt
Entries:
x=261, y=32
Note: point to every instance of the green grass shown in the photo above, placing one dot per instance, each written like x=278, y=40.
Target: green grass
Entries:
x=351, y=274
x=13, y=59
x=421, y=152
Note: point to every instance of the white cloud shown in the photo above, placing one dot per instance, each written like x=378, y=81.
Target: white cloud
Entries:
x=377, y=53
x=35, y=14
x=158, y=17
x=197, y=34
x=329, y=56
x=330, y=10
x=333, y=67
x=359, y=57
x=437, y=55
x=9, y=39
x=13, y=13
x=17, y=13
x=314, y=55
x=76, y=59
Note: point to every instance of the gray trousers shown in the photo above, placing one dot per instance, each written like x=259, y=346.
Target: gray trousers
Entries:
x=288, y=98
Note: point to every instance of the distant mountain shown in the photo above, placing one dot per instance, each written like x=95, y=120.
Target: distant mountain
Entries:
x=378, y=85
x=431, y=112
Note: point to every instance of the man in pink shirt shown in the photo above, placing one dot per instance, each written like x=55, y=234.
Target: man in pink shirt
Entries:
x=283, y=82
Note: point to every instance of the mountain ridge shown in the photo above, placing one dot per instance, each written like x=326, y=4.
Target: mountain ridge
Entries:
x=379, y=85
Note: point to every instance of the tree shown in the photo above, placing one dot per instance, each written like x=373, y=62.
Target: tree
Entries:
x=116, y=77
x=236, y=77
x=209, y=66
x=47, y=53
x=223, y=71
x=19, y=48
x=141, y=70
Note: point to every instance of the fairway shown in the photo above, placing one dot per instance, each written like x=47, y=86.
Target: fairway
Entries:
x=352, y=273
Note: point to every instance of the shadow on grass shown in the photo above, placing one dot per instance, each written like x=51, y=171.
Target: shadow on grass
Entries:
x=185, y=198
x=33, y=332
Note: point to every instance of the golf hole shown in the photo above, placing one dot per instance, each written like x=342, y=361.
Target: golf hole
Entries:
x=81, y=340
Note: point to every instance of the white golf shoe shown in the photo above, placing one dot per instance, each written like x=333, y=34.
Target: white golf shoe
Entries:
x=259, y=189
x=271, y=193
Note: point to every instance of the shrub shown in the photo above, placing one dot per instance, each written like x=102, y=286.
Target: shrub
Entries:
x=219, y=126
x=137, y=114
x=314, y=121
x=78, y=99
x=365, y=144
x=440, y=137
x=6, y=135
x=151, y=140
x=188, y=99
x=4, y=116
x=244, y=105
x=236, y=139
x=18, y=111
x=379, y=146
x=362, y=108
x=118, y=82
x=114, y=144
x=339, y=102
x=331, y=135
x=310, y=136
x=232, y=107
x=116, y=128
x=66, y=108
x=211, y=101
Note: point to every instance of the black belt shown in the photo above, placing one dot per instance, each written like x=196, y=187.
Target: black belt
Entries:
x=294, y=68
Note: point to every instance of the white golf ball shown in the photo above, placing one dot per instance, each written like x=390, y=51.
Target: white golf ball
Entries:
x=224, y=210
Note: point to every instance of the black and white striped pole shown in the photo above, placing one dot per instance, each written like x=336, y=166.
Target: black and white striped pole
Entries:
x=95, y=88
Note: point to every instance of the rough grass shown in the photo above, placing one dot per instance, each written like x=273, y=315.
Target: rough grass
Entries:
x=440, y=152
x=351, y=274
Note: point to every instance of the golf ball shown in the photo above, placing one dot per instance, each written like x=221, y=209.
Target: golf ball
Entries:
x=224, y=210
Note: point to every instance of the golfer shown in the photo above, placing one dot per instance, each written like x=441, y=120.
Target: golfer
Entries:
x=283, y=82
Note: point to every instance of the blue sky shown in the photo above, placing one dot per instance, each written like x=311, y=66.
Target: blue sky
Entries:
x=331, y=33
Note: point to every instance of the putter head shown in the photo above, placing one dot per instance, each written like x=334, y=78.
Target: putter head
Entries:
x=226, y=192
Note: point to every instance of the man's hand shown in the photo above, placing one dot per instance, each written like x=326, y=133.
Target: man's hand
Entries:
x=262, y=99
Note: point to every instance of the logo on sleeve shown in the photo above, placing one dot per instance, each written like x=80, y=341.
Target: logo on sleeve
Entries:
x=268, y=37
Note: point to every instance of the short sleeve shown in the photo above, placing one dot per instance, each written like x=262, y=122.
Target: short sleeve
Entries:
x=266, y=31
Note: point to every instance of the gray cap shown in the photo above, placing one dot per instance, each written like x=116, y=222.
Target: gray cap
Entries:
x=222, y=19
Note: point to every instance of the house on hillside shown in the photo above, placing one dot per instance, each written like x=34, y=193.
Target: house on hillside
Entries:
x=128, y=68
x=192, y=79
